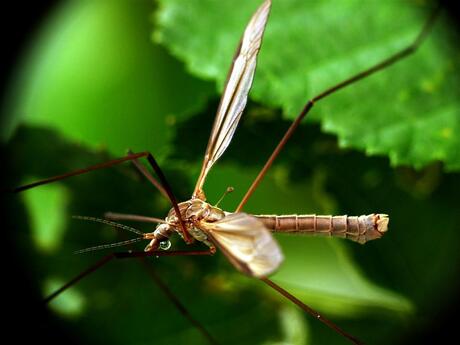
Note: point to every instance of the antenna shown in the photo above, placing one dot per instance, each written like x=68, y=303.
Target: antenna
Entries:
x=142, y=235
x=108, y=222
x=111, y=245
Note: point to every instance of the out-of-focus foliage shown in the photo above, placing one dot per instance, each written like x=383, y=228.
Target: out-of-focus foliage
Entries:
x=94, y=75
x=138, y=96
x=410, y=114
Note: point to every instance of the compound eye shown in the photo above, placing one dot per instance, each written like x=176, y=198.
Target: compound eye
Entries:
x=163, y=232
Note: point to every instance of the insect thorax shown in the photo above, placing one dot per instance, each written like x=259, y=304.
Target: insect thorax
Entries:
x=193, y=212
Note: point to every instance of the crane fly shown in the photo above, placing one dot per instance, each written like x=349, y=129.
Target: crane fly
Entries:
x=245, y=239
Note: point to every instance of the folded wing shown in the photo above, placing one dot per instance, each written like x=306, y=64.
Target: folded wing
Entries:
x=246, y=242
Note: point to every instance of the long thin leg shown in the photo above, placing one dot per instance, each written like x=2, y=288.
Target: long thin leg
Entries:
x=132, y=217
x=311, y=311
x=172, y=297
x=78, y=172
x=376, y=68
x=153, y=163
x=121, y=255
x=147, y=175
x=80, y=276
x=165, y=189
x=163, y=287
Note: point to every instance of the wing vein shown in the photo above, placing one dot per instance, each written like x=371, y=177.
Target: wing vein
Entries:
x=234, y=98
x=246, y=242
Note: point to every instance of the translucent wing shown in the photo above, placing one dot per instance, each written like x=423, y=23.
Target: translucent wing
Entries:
x=236, y=91
x=246, y=242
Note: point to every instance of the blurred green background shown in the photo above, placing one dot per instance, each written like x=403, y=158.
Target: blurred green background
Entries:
x=104, y=76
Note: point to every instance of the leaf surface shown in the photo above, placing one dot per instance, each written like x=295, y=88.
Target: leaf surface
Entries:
x=409, y=112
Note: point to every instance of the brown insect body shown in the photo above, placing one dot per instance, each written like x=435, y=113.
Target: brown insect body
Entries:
x=193, y=212
x=359, y=229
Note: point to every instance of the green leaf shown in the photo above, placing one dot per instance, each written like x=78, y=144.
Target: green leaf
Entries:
x=335, y=284
x=48, y=226
x=409, y=112
x=71, y=305
x=121, y=304
x=295, y=329
x=94, y=75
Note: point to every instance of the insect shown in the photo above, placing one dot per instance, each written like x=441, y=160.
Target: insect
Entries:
x=244, y=239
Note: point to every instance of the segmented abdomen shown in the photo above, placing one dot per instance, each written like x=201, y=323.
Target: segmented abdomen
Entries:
x=356, y=228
